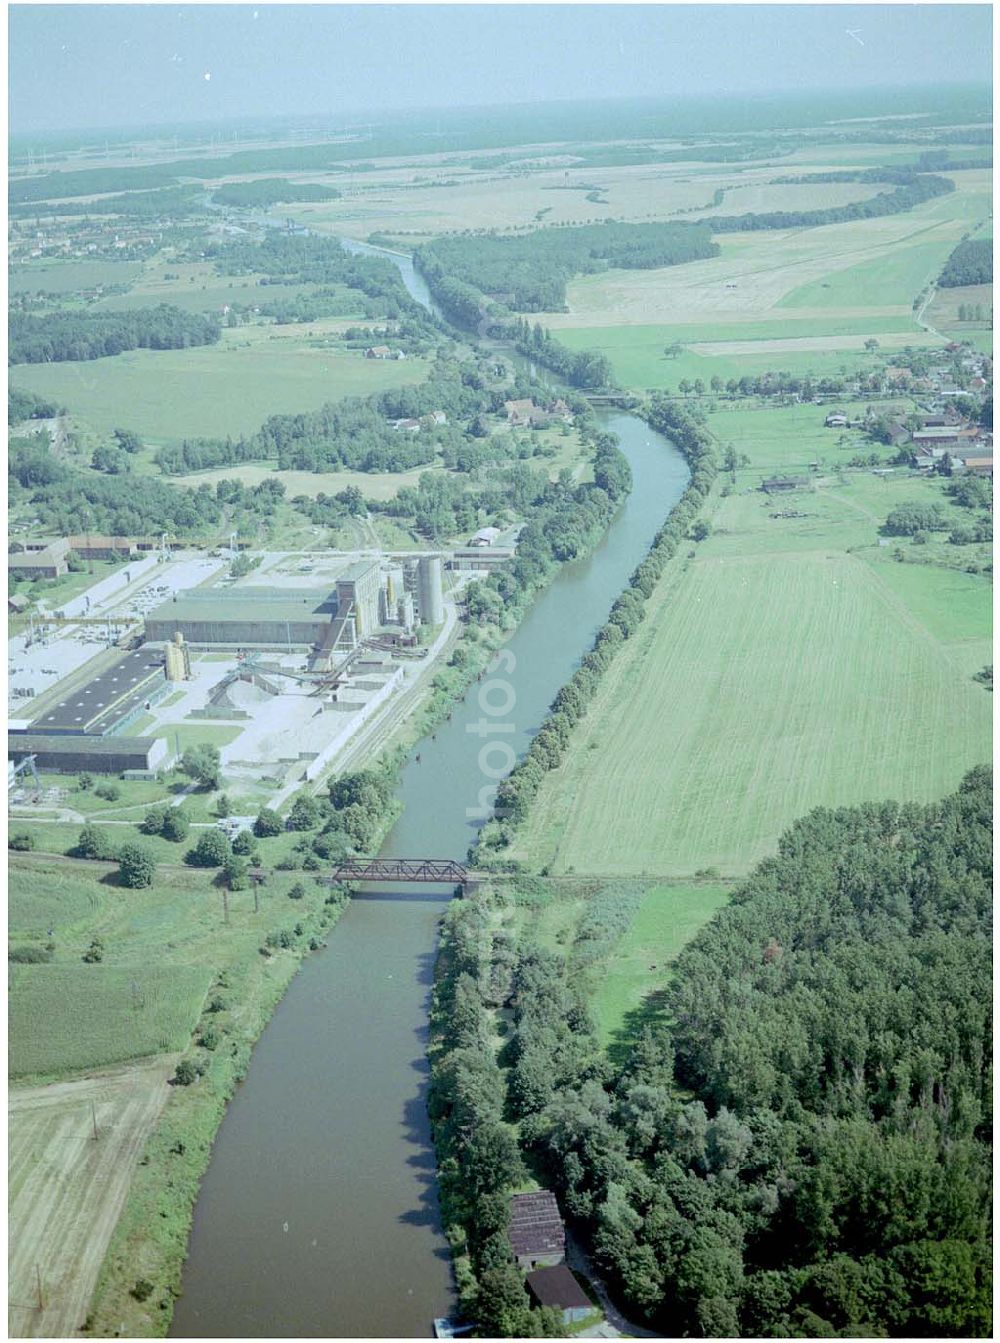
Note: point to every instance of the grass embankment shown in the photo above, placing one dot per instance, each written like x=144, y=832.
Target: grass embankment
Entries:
x=180, y=974
x=787, y=661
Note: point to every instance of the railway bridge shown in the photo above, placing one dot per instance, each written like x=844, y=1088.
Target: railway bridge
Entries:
x=422, y=871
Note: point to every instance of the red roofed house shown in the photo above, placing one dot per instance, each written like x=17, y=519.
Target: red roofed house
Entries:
x=536, y=1230
x=520, y=412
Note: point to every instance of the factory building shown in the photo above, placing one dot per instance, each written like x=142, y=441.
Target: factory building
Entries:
x=359, y=590
x=109, y=703
x=250, y=617
x=135, y=757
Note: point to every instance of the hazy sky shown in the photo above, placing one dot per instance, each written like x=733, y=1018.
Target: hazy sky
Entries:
x=76, y=66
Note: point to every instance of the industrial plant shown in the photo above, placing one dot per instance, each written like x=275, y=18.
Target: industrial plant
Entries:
x=292, y=657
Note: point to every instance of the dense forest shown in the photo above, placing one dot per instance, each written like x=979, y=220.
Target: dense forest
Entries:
x=794, y=1138
x=909, y=190
x=529, y=273
x=63, y=498
x=267, y=191
x=970, y=263
x=59, y=336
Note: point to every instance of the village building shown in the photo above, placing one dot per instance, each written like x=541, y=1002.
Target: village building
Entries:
x=537, y=1234
x=407, y=426
x=378, y=352
x=519, y=412
x=836, y=421
x=980, y=464
x=556, y=1287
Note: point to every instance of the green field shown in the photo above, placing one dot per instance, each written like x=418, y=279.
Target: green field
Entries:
x=69, y=1017
x=214, y=390
x=667, y=919
x=638, y=359
x=162, y=948
x=793, y=662
x=892, y=279
x=64, y=277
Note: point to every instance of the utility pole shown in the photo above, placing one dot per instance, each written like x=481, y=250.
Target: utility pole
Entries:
x=93, y=1116
x=38, y=1280
x=225, y=905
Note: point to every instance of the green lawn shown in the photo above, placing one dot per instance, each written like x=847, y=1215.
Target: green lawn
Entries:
x=213, y=390
x=667, y=919
x=896, y=278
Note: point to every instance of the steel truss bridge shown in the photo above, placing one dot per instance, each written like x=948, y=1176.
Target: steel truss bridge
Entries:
x=417, y=870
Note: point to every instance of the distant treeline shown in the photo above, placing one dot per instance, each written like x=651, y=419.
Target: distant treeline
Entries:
x=911, y=189
x=529, y=273
x=175, y=201
x=271, y=191
x=970, y=263
x=59, y=336
x=89, y=182
x=590, y=122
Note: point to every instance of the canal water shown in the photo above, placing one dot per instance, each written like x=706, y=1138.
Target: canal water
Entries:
x=318, y=1215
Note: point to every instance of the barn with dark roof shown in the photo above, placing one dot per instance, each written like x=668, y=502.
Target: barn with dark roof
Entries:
x=536, y=1230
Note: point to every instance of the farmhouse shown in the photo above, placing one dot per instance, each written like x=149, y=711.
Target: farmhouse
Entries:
x=897, y=433
x=537, y=1234
x=407, y=426
x=378, y=352
x=520, y=412
x=558, y=1288
x=936, y=436
x=836, y=421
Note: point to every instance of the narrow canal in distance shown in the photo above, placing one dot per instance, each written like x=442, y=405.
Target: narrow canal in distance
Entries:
x=318, y=1214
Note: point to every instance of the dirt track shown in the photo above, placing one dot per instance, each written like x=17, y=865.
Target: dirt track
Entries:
x=67, y=1190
